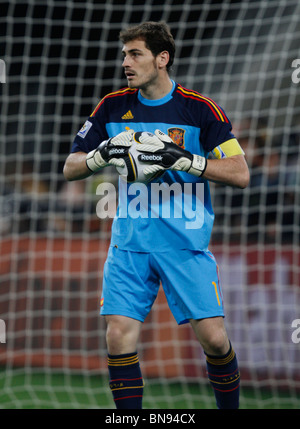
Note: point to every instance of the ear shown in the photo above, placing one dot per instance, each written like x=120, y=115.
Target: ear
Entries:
x=163, y=59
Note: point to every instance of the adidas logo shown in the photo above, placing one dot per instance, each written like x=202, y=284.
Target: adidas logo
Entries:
x=128, y=115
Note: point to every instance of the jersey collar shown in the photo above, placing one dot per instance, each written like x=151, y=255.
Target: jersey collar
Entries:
x=159, y=101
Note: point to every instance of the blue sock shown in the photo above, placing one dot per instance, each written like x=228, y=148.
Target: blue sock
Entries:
x=126, y=382
x=224, y=377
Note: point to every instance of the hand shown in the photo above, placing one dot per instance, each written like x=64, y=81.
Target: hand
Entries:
x=162, y=153
x=110, y=152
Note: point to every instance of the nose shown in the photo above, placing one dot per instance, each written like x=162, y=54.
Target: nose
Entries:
x=125, y=61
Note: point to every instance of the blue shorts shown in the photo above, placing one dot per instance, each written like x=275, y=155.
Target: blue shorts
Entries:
x=190, y=280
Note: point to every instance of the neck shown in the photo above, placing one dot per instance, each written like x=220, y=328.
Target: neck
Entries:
x=157, y=90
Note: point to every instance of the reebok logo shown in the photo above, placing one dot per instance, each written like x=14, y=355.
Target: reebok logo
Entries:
x=128, y=115
x=116, y=151
x=150, y=157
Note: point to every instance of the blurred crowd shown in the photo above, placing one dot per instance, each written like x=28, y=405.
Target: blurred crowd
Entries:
x=34, y=204
x=268, y=210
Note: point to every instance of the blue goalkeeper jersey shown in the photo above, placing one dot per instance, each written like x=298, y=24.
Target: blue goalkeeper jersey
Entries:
x=174, y=210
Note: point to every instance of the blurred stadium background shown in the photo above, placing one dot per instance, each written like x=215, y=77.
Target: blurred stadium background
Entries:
x=62, y=57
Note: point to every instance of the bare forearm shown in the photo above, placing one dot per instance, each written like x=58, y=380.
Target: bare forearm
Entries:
x=75, y=167
x=230, y=171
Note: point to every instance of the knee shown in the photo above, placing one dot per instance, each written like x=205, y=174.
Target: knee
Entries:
x=115, y=335
x=212, y=335
x=217, y=343
x=121, y=336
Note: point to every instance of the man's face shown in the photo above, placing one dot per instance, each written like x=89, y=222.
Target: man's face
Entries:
x=139, y=65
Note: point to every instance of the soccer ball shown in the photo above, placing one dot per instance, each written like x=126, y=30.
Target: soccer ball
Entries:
x=133, y=168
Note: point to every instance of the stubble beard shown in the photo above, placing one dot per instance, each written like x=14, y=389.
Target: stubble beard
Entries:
x=150, y=81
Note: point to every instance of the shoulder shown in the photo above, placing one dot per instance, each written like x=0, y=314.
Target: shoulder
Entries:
x=114, y=97
x=201, y=102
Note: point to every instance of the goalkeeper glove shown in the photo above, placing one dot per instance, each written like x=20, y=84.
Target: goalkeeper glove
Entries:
x=162, y=153
x=110, y=152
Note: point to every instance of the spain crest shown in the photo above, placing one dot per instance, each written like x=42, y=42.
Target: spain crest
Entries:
x=177, y=135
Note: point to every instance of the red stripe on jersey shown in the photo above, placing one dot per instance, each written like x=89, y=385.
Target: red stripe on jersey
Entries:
x=119, y=93
x=187, y=93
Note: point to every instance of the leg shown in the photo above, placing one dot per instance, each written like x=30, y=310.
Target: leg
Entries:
x=129, y=288
x=126, y=380
x=221, y=361
x=122, y=334
x=200, y=302
x=212, y=335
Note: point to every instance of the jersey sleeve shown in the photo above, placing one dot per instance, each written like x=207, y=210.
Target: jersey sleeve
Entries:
x=216, y=128
x=92, y=133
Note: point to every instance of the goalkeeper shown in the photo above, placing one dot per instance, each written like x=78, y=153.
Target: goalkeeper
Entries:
x=146, y=251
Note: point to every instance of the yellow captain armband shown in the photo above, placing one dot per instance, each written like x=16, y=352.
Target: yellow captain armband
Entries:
x=229, y=148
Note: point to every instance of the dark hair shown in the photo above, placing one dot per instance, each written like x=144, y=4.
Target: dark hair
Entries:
x=156, y=35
